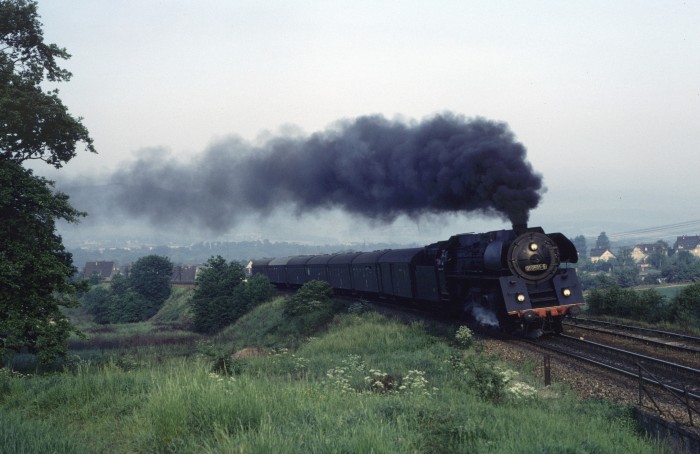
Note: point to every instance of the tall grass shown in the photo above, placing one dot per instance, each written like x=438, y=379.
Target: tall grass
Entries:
x=321, y=396
x=18, y=435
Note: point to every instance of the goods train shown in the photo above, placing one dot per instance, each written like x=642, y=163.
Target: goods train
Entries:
x=518, y=280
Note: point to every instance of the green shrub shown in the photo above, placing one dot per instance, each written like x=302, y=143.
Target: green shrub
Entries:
x=133, y=299
x=685, y=307
x=309, y=297
x=130, y=308
x=484, y=377
x=648, y=305
x=97, y=302
x=464, y=337
x=150, y=277
x=215, y=302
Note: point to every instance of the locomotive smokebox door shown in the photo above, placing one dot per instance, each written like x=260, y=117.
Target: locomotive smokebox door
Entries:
x=533, y=257
x=515, y=294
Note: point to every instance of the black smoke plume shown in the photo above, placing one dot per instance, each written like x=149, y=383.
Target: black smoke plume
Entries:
x=374, y=167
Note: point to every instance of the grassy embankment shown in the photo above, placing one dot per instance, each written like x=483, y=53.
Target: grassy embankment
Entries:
x=332, y=381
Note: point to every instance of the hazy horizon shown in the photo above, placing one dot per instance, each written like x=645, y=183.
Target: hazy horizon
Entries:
x=604, y=97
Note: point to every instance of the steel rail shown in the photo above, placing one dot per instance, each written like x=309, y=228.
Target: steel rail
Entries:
x=639, y=328
x=624, y=372
x=634, y=355
x=681, y=348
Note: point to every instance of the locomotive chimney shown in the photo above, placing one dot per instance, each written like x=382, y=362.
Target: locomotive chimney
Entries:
x=520, y=228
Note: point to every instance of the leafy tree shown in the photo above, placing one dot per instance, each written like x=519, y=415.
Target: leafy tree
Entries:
x=625, y=270
x=213, y=302
x=602, y=300
x=659, y=255
x=310, y=296
x=97, y=302
x=120, y=285
x=624, y=257
x=256, y=290
x=34, y=124
x=686, y=306
x=34, y=266
x=651, y=306
x=35, y=269
x=682, y=267
x=130, y=307
x=245, y=296
x=150, y=277
x=130, y=300
x=626, y=276
x=581, y=246
x=601, y=281
x=602, y=242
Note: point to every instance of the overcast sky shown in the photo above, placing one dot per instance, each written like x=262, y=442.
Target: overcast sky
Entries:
x=605, y=95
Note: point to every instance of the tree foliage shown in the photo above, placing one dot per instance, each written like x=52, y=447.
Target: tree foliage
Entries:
x=591, y=281
x=222, y=294
x=681, y=267
x=135, y=299
x=624, y=269
x=150, y=277
x=35, y=268
x=624, y=257
x=310, y=296
x=581, y=248
x=34, y=124
x=658, y=257
x=686, y=306
x=626, y=276
x=257, y=290
x=611, y=299
x=97, y=302
x=603, y=242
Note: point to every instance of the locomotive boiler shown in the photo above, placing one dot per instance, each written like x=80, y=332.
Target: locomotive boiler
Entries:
x=518, y=280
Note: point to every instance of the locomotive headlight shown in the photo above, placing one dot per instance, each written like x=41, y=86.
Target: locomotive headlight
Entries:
x=566, y=292
x=520, y=298
x=533, y=247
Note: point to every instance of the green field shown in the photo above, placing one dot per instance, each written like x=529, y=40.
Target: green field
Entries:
x=668, y=291
x=328, y=381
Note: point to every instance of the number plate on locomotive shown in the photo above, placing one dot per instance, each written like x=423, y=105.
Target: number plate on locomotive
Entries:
x=538, y=267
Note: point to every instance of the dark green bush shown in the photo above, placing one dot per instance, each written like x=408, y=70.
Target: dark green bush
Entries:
x=151, y=277
x=685, y=308
x=311, y=296
x=132, y=299
x=648, y=305
x=222, y=295
x=682, y=267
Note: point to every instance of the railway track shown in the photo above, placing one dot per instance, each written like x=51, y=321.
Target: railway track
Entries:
x=678, y=377
x=668, y=339
x=667, y=348
x=661, y=344
x=671, y=387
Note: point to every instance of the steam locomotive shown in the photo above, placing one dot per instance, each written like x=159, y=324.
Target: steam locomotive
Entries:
x=516, y=280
